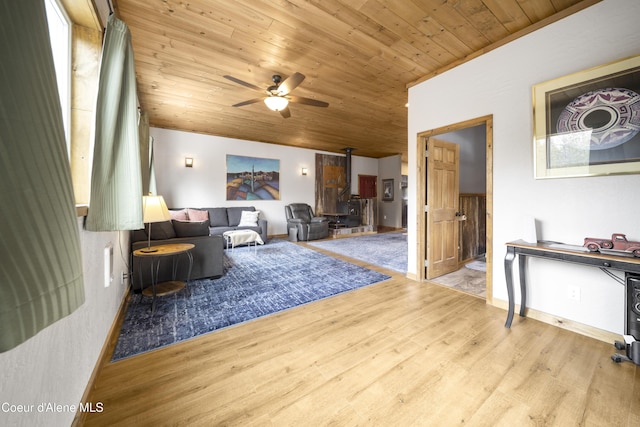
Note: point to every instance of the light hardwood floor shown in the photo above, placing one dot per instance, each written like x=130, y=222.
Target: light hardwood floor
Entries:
x=397, y=353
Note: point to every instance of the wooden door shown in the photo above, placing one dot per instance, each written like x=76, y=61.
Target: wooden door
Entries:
x=442, y=207
x=367, y=186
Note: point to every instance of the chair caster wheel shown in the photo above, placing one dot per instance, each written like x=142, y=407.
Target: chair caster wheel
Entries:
x=620, y=345
x=617, y=358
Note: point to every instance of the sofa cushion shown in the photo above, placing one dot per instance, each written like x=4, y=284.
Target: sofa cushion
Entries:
x=215, y=231
x=235, y=213
x=160, y=230
x=198, y=214
x=191, y=228
x=180, y=215
x=256, y=229
x=139, y=235
x=218, y=217
x=249, y=219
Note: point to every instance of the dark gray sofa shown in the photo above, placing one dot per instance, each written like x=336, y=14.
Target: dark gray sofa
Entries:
x=208, y=254
x=227, y=218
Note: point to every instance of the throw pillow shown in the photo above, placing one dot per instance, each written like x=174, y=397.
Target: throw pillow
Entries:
x=218, y=217
x=191, y=228
x=235, y=212
x=198, y=215
x=249, y=219
x=160, y=230
x=180, y=215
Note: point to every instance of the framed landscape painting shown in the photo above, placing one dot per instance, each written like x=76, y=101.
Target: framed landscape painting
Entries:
x=252, y=178
x=588, y=123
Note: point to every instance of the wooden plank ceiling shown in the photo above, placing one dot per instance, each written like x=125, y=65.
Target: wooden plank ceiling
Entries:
x=358, y=55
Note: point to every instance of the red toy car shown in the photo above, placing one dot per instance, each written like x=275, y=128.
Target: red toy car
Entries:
x=618, y=242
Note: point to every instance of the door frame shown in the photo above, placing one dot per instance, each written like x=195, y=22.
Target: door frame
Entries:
x=421, y=192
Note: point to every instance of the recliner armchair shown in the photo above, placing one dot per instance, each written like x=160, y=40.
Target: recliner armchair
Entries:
x=303, y=225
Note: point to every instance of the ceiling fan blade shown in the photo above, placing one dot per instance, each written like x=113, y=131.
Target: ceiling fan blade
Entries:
x=290, y=83
x=307, y=101
x=243, y=83
x=250, y=101
x=286, y=113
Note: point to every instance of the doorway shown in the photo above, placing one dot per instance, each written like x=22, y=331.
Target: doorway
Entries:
x=367, y=186
x=421, y=203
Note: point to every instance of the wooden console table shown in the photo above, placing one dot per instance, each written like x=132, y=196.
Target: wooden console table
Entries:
x=558, y=252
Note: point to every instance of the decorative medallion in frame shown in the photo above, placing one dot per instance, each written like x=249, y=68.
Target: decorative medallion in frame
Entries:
x=588, y=123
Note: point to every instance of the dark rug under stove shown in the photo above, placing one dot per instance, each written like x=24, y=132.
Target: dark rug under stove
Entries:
x=279, y=276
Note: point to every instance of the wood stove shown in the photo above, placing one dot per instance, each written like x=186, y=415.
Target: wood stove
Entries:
x=352, y=210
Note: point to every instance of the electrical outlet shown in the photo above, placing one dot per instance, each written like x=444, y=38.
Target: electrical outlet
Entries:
x=573, y=293
x=123, y=277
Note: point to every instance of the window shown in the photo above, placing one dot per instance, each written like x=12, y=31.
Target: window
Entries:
x=60, y=37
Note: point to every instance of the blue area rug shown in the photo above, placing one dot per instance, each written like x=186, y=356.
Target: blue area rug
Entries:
x=281, y=275
x=387, y=250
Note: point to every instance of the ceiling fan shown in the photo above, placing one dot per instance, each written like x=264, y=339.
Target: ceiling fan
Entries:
x=278, y=97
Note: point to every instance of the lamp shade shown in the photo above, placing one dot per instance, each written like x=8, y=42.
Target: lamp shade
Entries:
x=276, y=103
x=154, y=209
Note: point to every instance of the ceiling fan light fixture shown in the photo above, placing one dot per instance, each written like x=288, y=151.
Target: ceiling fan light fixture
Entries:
x=276, y=103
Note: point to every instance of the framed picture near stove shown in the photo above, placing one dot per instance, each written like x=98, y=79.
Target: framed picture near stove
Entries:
x=387, y=190
x=588, y=123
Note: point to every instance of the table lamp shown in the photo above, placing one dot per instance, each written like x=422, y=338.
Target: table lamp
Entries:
x=154, y=209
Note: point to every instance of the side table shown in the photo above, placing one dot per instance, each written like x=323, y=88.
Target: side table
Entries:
x=170, y=250
x=336, y=219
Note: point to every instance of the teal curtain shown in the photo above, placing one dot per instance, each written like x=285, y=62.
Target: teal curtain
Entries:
x=116, y=178
x=40, y=256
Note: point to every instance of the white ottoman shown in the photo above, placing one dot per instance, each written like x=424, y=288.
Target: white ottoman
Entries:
x=241, y=237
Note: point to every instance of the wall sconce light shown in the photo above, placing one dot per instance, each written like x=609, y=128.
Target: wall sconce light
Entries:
x=188, y=162
x=304, y=171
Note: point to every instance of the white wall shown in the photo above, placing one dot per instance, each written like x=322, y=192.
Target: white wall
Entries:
x=567, y=210
x=204, y=185
x=54, y=366
x=390, y=213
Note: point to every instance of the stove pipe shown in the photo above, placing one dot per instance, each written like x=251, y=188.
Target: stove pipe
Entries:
x=347, y=188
